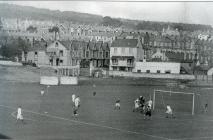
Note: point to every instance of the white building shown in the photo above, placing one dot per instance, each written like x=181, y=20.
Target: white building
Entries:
x=55, y=54
x=157, y=67
x=124, y=53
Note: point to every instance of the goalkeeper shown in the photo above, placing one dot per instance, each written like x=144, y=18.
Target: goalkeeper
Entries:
x=169, y=111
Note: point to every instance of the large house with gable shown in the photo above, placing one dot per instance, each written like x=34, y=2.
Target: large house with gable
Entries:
x=124, y=53
x=53, y=54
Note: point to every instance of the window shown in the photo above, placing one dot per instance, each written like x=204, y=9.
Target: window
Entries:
x=147, y=71
x=155, y=43
x=54, y=53
x=129, y=69
x=122, y=69
x=130, y=50
x=107, y=54
x=56, y=44
x=123, y=50
x=158, y=71
x=114, y=68
x=61, y=53
x=139, y=71
x=36, y=53
x=167, y=71
x=84, y=54
x=114, y=61
x=115, y=50
x=61, y=61
x=100, y=55
x=79, y=54
x=129, y=60
x=87, y=54
x=93, y=54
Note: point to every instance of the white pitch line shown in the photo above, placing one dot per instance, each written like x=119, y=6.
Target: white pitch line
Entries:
x=13, y=115
x=90, y=124
x=207, y=88
x=192, y=138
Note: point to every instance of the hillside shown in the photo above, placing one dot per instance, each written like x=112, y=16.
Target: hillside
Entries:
x=23, y=12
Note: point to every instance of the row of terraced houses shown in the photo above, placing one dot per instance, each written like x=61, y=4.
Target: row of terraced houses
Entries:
x=123, y=54
x=68, y=53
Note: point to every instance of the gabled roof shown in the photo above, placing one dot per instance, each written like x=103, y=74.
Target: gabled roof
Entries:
x=125, y=43
x=91, y=45
x=84, y=44
x=105, y=46
x=39, y=46
x=76, y=44
x=66, y=44
x=98, y=45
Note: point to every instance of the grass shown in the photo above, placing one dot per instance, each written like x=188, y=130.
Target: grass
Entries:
x=97, y=119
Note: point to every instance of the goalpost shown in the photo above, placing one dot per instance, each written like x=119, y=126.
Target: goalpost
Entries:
x=179, y=96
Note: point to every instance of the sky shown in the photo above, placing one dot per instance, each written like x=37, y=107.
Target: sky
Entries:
x=185, y=12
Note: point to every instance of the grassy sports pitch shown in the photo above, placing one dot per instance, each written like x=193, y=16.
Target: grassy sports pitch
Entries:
x=50, y=116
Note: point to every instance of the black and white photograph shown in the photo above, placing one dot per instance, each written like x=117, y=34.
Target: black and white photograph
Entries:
x=106, y=70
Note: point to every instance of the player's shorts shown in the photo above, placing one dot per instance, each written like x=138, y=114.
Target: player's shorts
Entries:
x=19, y=117
x=42, y=92
x=77, y=106
x=137, y=106
x=148, y=113
x=168, y=112
x=117, y=105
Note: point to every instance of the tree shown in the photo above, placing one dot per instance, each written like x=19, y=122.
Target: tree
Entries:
x=108, y=21
x=32, y=29
x=1, y=25
x=13, y=48
x=54, y=29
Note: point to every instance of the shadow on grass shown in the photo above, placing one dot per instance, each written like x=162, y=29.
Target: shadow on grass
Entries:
x=4, y=137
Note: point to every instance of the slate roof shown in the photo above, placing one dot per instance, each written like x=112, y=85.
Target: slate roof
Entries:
x=105, y=46
x=125, y=43
x=92, y=45
x=76, y=45
x=66, y=44
x=98, y=45
x=39, y=46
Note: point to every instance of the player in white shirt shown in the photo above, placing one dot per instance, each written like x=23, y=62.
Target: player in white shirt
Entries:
x=19, y=114
x=77, y=102
x=117, y=104
x=76, y=106
x=42, y=92
x=169, y=111
x=149, y=103
x=73, y=98
x=137, y=105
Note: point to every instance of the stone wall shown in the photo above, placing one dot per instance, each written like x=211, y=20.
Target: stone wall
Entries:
x=152, y=75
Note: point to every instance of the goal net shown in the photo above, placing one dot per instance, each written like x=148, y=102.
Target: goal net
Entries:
x=179, y=101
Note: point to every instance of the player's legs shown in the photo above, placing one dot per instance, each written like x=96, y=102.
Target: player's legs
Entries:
x=117, y=106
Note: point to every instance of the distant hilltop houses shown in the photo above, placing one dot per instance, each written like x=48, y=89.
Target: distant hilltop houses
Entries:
x=40, y=29
x=54, y=43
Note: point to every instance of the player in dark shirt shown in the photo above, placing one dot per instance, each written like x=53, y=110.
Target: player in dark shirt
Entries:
x=148, y=112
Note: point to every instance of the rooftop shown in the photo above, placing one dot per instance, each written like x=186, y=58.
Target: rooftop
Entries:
x=125, y=43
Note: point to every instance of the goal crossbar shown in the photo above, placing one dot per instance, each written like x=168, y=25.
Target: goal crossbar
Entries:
x=175, y=92
x=168, y=91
